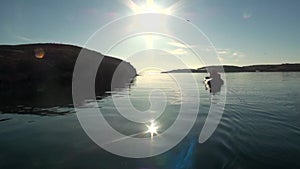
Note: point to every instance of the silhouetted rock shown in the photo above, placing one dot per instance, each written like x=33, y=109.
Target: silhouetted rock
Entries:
x=41, y=74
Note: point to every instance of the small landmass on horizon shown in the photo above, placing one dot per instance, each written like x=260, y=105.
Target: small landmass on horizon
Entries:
x=286, y=67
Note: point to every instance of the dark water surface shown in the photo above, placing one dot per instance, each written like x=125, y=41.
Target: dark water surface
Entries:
x=260, y=128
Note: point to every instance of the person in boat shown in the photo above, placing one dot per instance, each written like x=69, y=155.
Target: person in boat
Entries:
x=213, y=82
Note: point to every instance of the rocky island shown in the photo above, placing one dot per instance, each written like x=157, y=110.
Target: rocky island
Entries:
x=41, y=74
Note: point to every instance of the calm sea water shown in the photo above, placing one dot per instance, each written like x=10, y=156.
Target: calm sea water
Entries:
x=260, y=128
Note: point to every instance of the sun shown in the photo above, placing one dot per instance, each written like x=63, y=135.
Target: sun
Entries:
x=152, y=129
x=148, y=7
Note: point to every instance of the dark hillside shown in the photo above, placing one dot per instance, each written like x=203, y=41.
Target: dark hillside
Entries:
x=41, y=74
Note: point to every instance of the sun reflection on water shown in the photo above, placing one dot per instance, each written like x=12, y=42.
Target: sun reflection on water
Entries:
x=152, y=129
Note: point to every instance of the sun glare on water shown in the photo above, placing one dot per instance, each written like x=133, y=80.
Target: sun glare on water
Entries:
x=150, y=70
x=152, y=129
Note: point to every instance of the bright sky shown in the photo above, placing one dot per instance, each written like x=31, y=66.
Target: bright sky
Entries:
x=243, y=31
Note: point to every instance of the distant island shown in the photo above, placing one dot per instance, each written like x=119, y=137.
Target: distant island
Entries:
x=295, y=67
x=41, y=74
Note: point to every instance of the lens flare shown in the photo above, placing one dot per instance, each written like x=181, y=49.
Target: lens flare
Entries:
x=39, y=53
